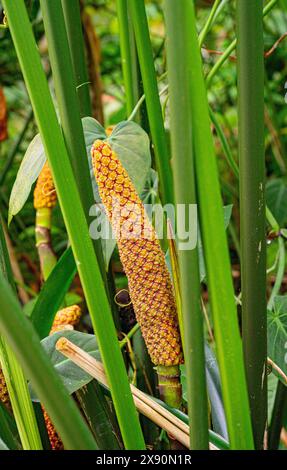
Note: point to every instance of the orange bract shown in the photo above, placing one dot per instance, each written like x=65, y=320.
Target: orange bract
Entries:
x=143, y=260
x=45, y=194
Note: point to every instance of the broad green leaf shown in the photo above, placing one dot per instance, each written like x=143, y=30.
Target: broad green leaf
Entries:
x=276, y=195
x=30, y=168
x=214, y=392
x=53, y=293
x=277, y=333
x=73, y=376
x=131, y=143
x=272, y=382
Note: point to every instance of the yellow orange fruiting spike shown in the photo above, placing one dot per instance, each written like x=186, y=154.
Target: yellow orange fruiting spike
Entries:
x=67, y=316
x=4, y=396
x=142, y=258
x=45, y=193
x=54, y=438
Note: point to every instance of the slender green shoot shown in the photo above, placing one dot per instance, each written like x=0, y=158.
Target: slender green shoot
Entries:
x=70, y=202
x=16, y=382
x=232, y=46
x=72, y=13
x=128, y=55
x=145, y=55
x=205, y=30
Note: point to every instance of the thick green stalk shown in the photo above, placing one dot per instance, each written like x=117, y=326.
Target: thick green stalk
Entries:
x=16, y=382
x=145, y=55
x=72, y=13
x=252, y=207
x=220, y=287
x=69, y=107
x=179, y=56
x=71, y=206
x=128, y=55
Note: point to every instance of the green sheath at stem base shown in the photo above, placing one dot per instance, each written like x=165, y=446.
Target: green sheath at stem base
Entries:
x=170, y=389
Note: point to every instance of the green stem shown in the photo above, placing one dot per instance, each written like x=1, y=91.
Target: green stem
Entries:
x=232, y=47
x=129, y=335
x=65, y=87
x=16, y=382
x=15, y=148
x=279, y=409
x=145, y=55
x=71, y=206
x=128, y=55
x=209, y=22
x=233, y=165
x=61, y=408
x=220, y=286
x=252, y=207
x=169, y=385
x=179, y=56
x=72, y=14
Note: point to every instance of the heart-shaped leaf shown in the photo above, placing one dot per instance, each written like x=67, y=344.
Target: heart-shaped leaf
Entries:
x=30, y=168
x=277, y=333
x=131, y=143
x=276, y=194
x=214, y=391
x=73, y=376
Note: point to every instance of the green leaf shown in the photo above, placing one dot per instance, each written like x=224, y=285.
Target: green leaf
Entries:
x=131, y=143
x=3, y=445
x=277, y=333
x=8, y=429
x=72, y=376
x=214, y=392
x=30, y=168
x=53, y=293
x=272, y=382
x=276, y=194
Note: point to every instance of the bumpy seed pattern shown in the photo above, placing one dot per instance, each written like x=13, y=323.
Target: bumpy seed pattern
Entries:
x=54, y=437
x=69, y=316
x=142, y=258
x=66, y=316
x=45, y=194
x=4, y=396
